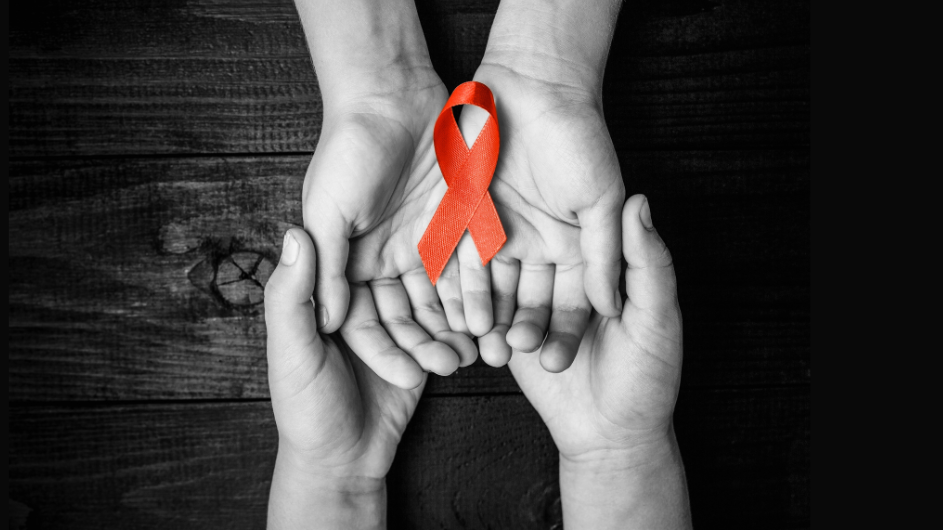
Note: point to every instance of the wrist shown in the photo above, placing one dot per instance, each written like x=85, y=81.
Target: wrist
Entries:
x=356, y=88
x=304, y=494
x=643, y=485
x=565, y=43
x=615, y=464
x=361, y=48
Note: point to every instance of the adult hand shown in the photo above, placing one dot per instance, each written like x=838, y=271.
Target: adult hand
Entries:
x=338, y=422
x=373, y=185
x=558, y=186
x=610, y=413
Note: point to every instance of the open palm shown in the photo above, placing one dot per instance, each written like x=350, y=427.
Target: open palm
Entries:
x=558, y=189
x=333, y=412
x=623, y=384
x=370, y=190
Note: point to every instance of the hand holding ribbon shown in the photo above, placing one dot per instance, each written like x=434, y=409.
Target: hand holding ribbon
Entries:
x=468, y=173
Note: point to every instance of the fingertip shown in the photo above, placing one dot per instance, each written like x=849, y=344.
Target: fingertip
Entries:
x=495, y=351
x=525, y=337
x=631, y=211
x=332, y=294
x=405, y=373
x=292, y=282
x=441, y=360
x=650, y=281
x=333, y=300
x=600, y=237
x=461, y=345
x=641, y=243
x=561, y=346
x=603, y=290
x=555, y=363
x=290, y=249
x=479, y=321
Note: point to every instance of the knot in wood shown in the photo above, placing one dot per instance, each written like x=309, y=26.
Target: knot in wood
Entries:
x=241, y=277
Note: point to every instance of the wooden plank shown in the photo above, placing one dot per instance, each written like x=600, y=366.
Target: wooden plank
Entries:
x=116, y=266
x=233, y=77
x=473, y=462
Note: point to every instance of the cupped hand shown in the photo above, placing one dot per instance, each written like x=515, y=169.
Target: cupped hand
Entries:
x=370, y=190
x=558, y=190
x=337, y=420
x=620, y=392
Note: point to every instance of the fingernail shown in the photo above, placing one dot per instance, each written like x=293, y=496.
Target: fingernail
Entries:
x=322, y=316
x=618, y=301
x=289, y=250
x=645, y=215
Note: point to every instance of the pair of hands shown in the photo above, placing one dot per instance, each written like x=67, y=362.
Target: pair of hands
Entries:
x=340, y=423
x=373, y=186
x=342, y=401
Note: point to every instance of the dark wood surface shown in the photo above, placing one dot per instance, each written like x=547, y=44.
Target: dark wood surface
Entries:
x=465, y=462
x=155, y=145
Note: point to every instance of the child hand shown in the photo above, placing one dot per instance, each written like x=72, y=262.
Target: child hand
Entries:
x=610, y=413
x=622, y=387
x=338, y=422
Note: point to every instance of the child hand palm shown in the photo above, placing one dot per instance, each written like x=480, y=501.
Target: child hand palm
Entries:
x=622, y=386
x=335, y=417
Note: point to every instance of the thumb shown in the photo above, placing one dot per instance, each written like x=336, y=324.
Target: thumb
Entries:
x=600, y=235
x=289, y=315
x=330, y=232
x=650, y=278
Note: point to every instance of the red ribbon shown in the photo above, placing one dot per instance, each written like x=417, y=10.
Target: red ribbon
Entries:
x=468, y=173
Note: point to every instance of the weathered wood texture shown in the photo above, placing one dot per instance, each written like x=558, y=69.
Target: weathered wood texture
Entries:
x=470, y=462
x=93, y=77
x=140, y=235
x=126, y=275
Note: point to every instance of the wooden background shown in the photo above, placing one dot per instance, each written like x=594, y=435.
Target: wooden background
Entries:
x=157, y=149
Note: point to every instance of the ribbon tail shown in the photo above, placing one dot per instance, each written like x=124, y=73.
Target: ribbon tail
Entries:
x=486, y=230
x=444, y=232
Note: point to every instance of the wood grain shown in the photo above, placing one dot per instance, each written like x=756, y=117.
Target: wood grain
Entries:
x=92, y=77
x=146, y=211
x=469, y=462
x=142, y=278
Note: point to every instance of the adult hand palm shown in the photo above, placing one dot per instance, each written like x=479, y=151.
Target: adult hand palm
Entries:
x=371, y=189
x=559, y=190
x=623, y=384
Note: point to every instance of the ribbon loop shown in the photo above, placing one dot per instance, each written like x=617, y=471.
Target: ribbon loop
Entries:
x=468, y=173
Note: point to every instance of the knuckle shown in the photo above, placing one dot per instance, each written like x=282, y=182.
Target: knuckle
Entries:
x=429, y=307
x=476, y=291
x=364, y=326
x=397, y=320
x=504, y=296
x=578, y=311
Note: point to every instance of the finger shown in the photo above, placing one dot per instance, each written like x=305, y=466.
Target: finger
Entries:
x=367, y=378
x=330, y=232
x=600, y=236
x=505, y=276
x=396, y=317
x=571, y=310
x=534, y=294
x=449, y=288
x=428, y=312
x=367, y=338
x=289, y=315
x=650, y=278
x=475, y=280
